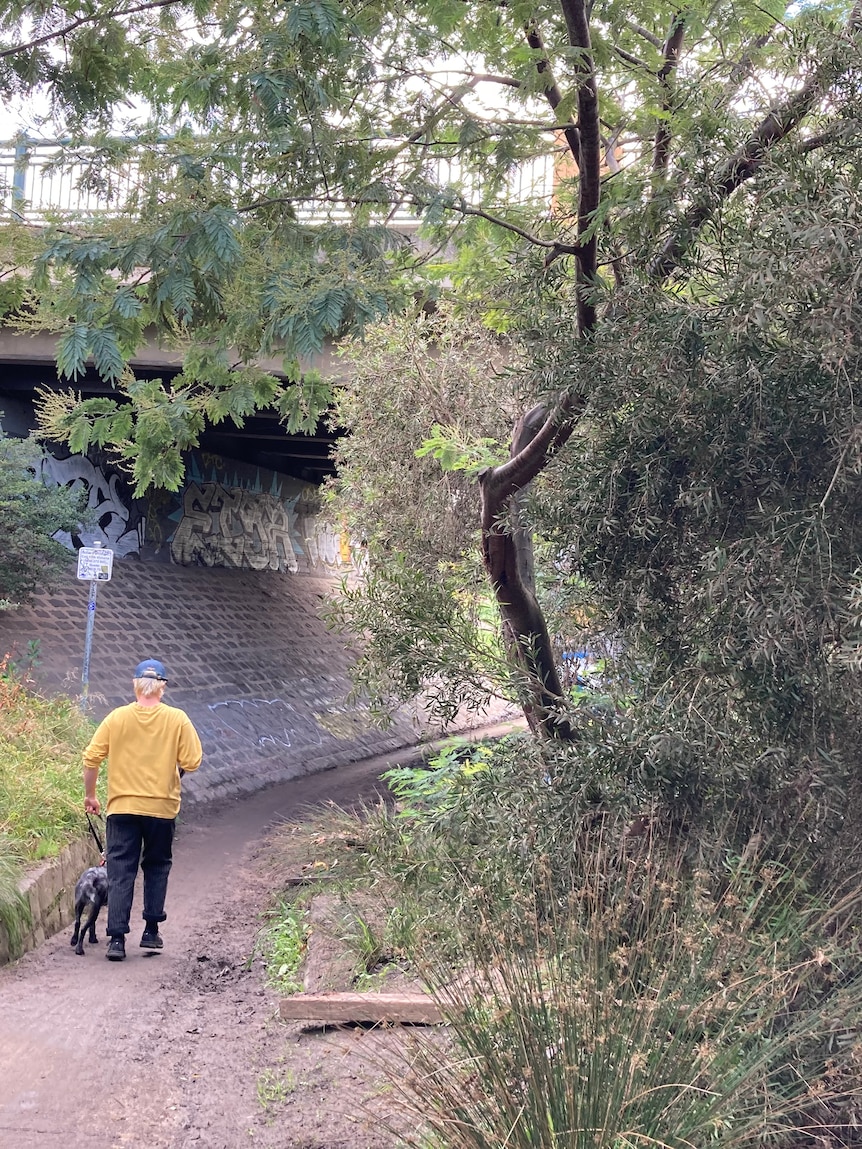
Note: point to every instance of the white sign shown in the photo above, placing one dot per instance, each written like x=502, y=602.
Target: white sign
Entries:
x=95, y=564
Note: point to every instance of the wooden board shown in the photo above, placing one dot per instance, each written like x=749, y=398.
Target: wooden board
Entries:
x=342, y=1008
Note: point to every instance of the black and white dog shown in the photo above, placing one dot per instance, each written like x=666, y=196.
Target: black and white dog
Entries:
x=91, y=893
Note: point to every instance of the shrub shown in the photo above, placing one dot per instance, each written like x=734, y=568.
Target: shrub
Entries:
x=663, y=1001
x=41, y=789
x=30, y=513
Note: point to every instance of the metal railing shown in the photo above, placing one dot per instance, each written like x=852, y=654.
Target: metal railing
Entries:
x=37, y=181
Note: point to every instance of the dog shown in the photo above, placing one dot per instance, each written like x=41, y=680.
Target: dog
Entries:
x=91, y=893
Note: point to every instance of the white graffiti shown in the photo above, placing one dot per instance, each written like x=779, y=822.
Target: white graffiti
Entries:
x=232, y=527
x=264, y=722
x=323, y=544
x=110, y=513
x=326, y=547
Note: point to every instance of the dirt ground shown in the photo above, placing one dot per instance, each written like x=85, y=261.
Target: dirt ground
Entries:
x=184, y=1048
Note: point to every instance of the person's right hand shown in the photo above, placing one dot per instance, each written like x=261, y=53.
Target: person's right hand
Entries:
x=92, y=805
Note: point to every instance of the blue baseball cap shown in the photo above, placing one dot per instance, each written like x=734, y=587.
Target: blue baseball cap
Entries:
x=151, y=668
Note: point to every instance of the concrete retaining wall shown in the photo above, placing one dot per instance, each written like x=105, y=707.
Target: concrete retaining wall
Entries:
x=49, y=891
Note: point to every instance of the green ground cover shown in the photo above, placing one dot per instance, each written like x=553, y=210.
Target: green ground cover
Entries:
x=41, y=788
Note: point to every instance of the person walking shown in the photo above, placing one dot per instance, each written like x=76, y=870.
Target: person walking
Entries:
x=149, y=746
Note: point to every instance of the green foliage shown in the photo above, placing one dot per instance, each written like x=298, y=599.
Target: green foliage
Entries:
x=41, y=795
x=432, y=788
x=422, y=606
x=705, y=504
x=422, y=636
x=271, y=143
x=453, y=454
x=282, y=943
x=31, y=512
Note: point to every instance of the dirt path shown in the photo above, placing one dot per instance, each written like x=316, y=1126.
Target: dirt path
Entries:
x=183, y=1048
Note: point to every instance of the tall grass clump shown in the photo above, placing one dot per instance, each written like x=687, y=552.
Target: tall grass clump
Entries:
x=14, y=908
x=41, y=788
x=666, y=999
x=615, y=978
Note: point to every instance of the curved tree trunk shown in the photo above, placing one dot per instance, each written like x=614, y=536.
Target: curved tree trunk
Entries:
x=507, y=550
x=506, y=543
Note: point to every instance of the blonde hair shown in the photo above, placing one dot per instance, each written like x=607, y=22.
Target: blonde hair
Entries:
x=148, y=686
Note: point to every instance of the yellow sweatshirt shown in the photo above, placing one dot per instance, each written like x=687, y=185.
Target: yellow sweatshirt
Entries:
x=144, y=746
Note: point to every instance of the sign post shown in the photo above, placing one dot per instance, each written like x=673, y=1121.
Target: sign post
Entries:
x=95, y=564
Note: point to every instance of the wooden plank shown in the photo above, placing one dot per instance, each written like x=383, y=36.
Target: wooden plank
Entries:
x=309, y=879
x=343, y=1008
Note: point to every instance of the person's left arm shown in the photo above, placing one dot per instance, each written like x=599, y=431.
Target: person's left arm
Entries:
x=189, y=749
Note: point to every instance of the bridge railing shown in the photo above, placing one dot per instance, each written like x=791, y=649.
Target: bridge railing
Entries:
x=37, y=180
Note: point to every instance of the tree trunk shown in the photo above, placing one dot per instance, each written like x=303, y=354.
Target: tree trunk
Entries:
x=507, y=551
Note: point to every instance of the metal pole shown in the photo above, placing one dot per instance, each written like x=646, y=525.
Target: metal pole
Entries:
x=19, y=176
x=88, y=640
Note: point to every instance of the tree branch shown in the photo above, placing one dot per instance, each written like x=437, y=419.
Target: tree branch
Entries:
x=506, y=478
x=590, y=165
x=552, y=92
x=554, y=246
x=835, y=133
x=93, y=18
x=748, y=160
x=645, y=34
x=452, y=98
x=628, y=58
x=670, y=52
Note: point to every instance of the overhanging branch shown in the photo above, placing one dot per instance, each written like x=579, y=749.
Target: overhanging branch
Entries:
x=589, y=168
x=775, y=127
x=670, y=52
x=90, y=18
x=552, y=92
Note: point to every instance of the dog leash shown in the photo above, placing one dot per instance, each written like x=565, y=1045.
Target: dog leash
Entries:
x=95, y=835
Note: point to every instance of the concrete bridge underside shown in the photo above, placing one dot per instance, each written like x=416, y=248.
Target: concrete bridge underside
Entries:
x=28, y=362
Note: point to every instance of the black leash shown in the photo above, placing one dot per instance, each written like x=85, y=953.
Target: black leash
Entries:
x=95, y=835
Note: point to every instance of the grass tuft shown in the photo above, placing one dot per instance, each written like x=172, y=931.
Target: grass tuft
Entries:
x=14, y=909
x=658, y=1003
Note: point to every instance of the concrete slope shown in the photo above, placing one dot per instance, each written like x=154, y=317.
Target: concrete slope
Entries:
x=250, y=659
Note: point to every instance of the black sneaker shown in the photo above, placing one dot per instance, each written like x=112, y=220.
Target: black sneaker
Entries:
x=116, y=948
x=151, y=939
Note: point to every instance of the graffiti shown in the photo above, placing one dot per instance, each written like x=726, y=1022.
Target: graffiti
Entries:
x=326, y=547
x=322, y=544
x=232, y=527
x=114, y=527
x=267, y=723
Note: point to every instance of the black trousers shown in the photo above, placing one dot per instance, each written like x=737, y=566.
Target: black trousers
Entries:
x=132, y=840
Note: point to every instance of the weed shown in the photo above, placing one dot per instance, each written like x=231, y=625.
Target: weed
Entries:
x=434, y=788
x=273, y=1087
x=283, y=942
